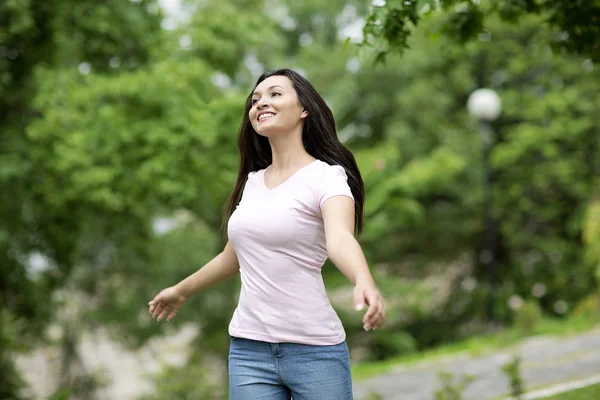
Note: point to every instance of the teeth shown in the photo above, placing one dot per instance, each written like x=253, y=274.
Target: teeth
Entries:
x=266, y=115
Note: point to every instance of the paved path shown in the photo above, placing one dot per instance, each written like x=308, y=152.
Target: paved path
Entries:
x=545, y=361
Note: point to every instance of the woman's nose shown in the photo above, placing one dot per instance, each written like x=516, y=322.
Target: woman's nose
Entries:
x=262, y=103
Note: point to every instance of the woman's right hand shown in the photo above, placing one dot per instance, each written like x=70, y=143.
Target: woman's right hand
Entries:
x=167, y=303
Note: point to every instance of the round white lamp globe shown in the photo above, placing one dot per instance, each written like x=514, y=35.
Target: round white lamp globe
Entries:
x=484, y=104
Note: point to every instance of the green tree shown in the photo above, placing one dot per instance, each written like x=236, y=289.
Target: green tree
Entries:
x=543, y=160
x=35, y=35
x=591, y=235
x=575, y=24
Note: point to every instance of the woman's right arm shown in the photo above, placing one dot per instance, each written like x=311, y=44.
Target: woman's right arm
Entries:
x=221, y=268
x=169, y=301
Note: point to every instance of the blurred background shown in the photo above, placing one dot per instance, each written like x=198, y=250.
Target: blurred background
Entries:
x=118, y=129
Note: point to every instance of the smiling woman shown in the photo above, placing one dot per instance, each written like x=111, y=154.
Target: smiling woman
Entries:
x=297, y=201
x=302, y=124
x=277, y=100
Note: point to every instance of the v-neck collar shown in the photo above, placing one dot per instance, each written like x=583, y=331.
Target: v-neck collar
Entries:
x=287, y=180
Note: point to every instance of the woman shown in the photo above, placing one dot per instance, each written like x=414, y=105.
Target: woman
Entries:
x=298, y=200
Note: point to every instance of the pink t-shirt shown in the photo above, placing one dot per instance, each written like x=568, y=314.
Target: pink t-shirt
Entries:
x=279, y=240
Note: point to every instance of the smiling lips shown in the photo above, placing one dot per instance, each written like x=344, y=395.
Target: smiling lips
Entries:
x=265, y=116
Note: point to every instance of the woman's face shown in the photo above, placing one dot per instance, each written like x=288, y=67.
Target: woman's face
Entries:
x=275, y=107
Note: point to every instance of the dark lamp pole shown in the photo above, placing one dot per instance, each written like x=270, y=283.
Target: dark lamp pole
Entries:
x=485, y=106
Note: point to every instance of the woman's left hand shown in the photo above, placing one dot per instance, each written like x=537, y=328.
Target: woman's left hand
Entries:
x=367, y=293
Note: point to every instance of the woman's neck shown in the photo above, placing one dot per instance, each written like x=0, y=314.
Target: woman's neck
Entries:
x=288, y=152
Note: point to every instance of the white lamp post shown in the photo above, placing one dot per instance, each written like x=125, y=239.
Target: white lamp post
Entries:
x=485, y=106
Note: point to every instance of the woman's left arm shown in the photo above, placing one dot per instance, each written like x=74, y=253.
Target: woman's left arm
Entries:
x=345, y=252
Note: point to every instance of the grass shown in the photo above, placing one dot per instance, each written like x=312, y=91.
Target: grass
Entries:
x=475, y=346
x=586, y=393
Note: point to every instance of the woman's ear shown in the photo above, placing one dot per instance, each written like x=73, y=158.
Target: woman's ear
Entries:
x=304, y=114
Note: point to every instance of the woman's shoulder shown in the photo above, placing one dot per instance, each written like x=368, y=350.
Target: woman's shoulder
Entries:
x=325, y=170
x=255, y=174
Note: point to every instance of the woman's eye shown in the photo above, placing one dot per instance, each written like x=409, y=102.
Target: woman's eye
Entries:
x=254, y=101
x=275, y=93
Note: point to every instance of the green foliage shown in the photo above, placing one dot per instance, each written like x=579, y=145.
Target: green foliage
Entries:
x=543, y=173
x=59, y=34
x=588, y=308
x=390, y=343
x=389, y=26
x=451, y=387
x=591, y=236
x=12, y=384
x=392, y=22
x=187, y=383
x=217, y=41
x=512, y=370
x=61, y=394
x=587, y=393
x=528, y=317
x=138, y=168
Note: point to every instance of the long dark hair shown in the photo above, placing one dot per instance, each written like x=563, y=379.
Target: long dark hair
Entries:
x=318, y=135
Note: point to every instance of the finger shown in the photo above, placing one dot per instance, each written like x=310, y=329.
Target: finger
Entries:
x=358, y=299
x=368, y=324
x=373, y=309
x=378, y=312
x=154, y=302
x=172, y=315
x=380, y=318
x=377, y=320
x=159, y=308
x=166, y=311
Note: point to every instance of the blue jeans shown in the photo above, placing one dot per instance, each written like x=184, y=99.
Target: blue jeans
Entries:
x=282, y=371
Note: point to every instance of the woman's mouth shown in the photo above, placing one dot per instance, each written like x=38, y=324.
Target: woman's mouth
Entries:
x=265, y=116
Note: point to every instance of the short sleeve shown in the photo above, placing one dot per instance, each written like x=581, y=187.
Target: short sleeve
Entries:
x=249, y=179
x=334, y=183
